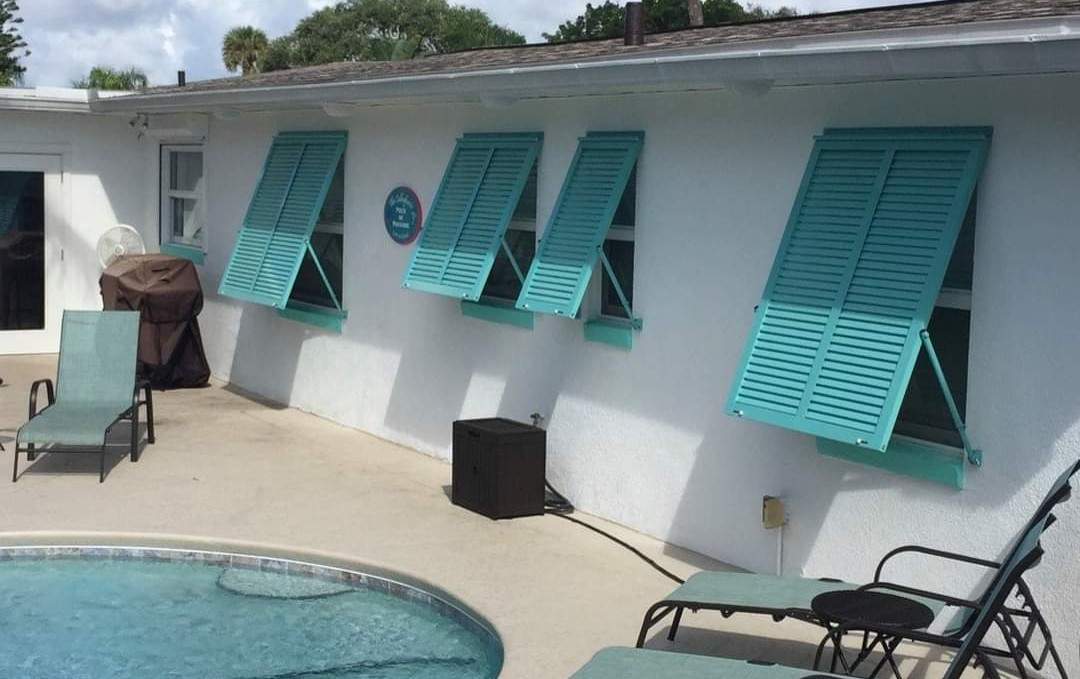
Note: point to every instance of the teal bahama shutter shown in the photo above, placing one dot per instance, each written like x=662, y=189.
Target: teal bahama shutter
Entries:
x=570, y=245
x=861, y=263
x=471, y=211
x=281, y=216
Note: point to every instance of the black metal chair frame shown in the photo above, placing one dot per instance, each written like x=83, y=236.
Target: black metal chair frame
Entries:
x=1017, y=624
x=1017, y=636
x=981, y=654
x=131, y=414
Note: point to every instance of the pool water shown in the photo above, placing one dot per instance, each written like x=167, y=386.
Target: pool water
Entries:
x=95, y=618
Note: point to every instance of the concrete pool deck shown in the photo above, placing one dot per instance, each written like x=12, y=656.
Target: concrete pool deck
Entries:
x=236, y=473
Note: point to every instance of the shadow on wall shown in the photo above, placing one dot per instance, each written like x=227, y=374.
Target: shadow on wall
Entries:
x=825, y=497
x=495, y=374
x=271, y=370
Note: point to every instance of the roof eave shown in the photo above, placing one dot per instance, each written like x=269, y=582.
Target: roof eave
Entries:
x=1016, y=47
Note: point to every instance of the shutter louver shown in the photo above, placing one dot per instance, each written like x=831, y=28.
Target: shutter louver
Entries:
x=860, y=266
x=281, y=216
x=470, y=214
x=570, y=244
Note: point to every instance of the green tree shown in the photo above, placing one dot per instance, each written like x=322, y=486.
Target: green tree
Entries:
x=599, y=21
x=244, y=48
x=381, y=30
x=109, y=78
x=279, y=54
x=607, y=20
x=12, y=46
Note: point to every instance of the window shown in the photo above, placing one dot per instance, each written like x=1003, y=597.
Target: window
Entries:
x=593, y=194
x=485, y=205
x=924, y=414
x=619, y=250
x=860, y=266
x=503, y=284
x=288, y=254
x=183, y=205
x=327, y=242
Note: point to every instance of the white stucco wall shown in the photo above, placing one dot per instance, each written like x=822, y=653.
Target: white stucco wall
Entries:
x=104, y=166
x=641, y=437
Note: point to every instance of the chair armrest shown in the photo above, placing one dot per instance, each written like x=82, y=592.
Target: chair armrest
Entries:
x=49, y=392
x=926, y=594
x=928, y=551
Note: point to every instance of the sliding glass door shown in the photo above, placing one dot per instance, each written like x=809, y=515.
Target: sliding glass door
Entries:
x=30, y=253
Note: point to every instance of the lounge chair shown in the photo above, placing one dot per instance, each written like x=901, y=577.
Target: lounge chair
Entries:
x=730, y=593
x=632, y=663
x=95, y=389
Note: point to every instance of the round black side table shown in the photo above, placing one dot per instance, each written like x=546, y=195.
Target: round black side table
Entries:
x=844, y=611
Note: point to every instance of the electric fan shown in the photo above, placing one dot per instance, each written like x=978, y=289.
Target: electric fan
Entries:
x=118, y=241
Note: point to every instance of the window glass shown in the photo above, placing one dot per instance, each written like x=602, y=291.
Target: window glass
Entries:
x=526, y=207
x=328, y=242
x=22, y=250
x=333, y=209
x=309, y=287
x=503, y=282
x=626, y=213
x=182, y=197
x=185, y=226
x=620, y=254
x=924, y=413
x=961, y=269
x=185, y=170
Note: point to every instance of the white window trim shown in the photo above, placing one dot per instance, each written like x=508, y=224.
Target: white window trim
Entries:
x=522, y=225
x=166, y=194
x=954, y=298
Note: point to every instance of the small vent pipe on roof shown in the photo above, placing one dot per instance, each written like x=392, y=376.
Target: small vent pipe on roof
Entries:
x=635, y=24
x=696, y=12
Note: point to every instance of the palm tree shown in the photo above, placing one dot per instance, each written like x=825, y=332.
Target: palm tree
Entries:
x=244, y=47
x=109, y=78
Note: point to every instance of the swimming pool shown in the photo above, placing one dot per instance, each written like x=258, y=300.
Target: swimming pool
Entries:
x=92, y=612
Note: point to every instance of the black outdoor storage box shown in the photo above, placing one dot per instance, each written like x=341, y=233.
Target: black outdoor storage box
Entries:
x=499, y=467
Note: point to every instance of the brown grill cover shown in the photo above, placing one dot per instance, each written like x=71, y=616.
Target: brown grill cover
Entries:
x=166, y=291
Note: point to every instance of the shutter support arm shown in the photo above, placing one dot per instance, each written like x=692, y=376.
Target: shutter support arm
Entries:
x=635, y=322
x=322, y=274
x=974, y=455
x=513, y=260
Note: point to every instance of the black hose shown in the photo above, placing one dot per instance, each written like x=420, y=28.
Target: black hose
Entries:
x=556, y=504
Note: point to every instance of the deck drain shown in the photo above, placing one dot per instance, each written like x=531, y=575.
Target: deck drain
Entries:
x=271, y=585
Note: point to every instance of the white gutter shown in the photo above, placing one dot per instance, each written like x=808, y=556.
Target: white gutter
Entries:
x=52, y=99
x=1015, y=47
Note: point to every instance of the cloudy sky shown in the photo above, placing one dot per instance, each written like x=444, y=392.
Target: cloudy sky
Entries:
x=67, y=37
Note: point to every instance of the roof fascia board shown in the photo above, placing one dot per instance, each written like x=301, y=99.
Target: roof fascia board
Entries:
x=1030, y=46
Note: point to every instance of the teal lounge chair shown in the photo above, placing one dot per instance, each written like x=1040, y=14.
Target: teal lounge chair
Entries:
x=634, y=663
x=730, y=593
x=95, y=389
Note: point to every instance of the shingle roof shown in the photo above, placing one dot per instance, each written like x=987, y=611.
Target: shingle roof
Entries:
x=923, y=15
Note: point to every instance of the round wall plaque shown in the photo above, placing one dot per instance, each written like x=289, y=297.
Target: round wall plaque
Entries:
x=403, y=215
